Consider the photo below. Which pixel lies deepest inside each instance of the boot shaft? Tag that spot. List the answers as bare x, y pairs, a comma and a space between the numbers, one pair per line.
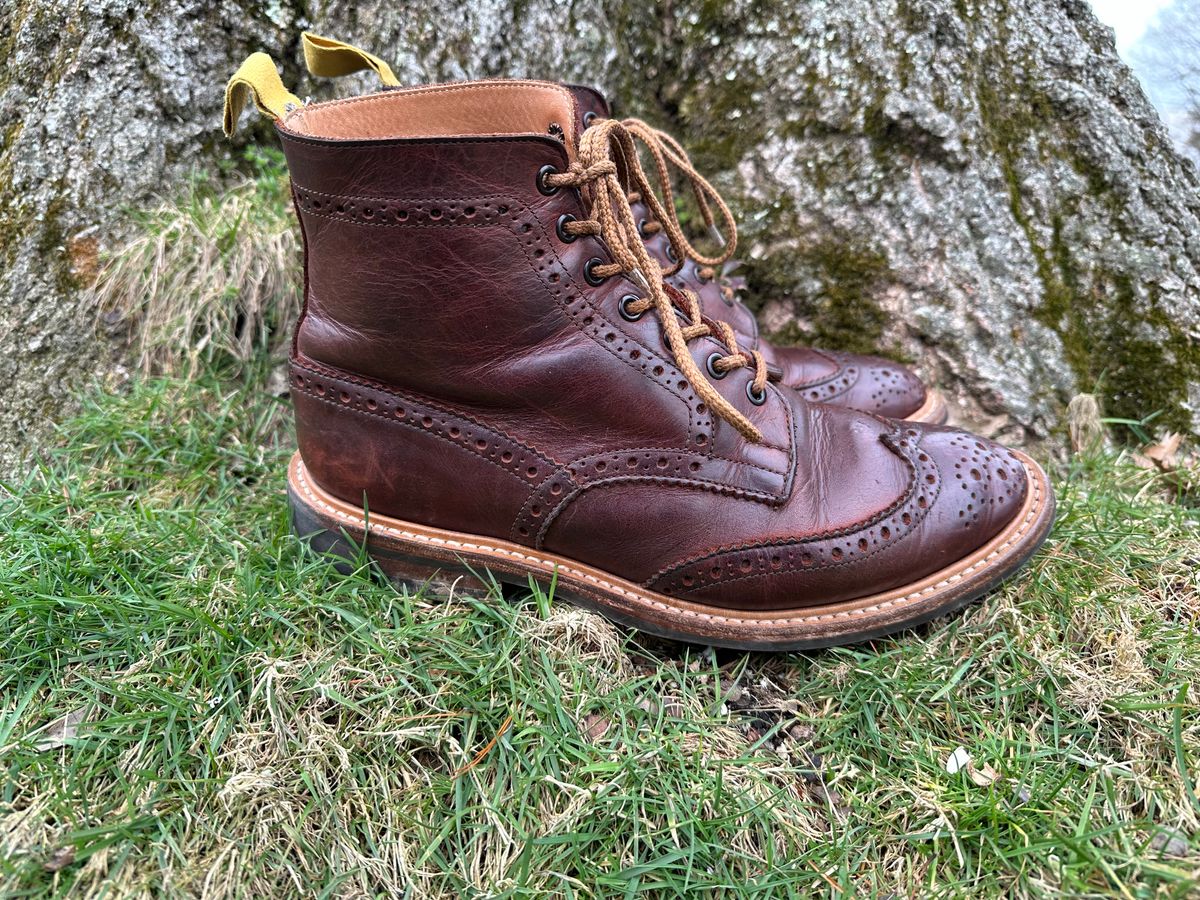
435, 264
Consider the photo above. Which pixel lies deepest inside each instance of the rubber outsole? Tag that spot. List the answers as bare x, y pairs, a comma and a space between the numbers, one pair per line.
415, 555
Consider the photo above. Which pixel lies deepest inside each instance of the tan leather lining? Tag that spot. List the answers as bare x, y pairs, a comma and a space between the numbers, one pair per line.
449, 110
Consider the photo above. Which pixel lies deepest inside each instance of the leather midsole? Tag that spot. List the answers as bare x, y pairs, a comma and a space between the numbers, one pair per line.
932, 411
1026, 527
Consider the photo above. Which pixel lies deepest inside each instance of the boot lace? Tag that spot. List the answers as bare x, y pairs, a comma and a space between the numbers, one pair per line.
606, 169
666, 153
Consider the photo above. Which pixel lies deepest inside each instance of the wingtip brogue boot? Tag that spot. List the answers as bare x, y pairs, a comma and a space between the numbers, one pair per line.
488, 374
857, 381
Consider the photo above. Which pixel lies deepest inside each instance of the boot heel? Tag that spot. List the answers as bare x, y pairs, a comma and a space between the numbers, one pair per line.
345, 542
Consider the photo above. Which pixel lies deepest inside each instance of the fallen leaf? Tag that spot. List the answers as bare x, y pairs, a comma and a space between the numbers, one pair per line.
957, 760
60, 732
1165, 454
982, 775
59, 859
595, 726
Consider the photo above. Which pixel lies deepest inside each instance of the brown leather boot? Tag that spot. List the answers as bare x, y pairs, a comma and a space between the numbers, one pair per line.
485, 377
868, 383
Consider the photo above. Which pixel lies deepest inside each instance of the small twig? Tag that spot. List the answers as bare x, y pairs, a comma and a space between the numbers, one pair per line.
486, 749
829, 881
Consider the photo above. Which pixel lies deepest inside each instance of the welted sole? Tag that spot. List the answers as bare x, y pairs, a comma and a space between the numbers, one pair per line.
933, 411
415, 555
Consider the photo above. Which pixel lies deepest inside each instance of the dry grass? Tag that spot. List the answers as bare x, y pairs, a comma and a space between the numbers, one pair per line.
211, 276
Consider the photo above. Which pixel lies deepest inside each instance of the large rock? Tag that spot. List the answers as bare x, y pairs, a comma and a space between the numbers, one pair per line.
978, 185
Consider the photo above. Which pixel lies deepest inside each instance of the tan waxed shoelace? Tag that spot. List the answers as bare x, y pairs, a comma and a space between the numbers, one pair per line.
666, 152
703, 272
606, 153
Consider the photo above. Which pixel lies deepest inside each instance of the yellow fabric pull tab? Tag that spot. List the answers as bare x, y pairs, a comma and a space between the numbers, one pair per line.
258, 78
330, 59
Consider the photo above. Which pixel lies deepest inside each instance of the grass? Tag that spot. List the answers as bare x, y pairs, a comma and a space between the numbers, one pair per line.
247, 722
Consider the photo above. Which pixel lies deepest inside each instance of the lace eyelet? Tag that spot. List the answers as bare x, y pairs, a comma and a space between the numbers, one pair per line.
699, 276
542, 187
559, 228
759, 398
588, 118
710, 364
624, 308
642, 230
671, 255
589, 272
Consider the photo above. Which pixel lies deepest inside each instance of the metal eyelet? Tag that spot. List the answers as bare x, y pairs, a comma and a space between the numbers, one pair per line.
758, 399
588, 118
542, 187
589, 272
642, 230
671, 255
624, 308
563, 235
700, 278
710, 364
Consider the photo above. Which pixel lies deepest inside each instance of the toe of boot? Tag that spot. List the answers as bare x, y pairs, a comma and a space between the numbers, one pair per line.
882, 387
982, 486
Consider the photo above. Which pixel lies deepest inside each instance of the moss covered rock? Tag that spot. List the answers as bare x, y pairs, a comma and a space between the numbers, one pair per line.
979, 186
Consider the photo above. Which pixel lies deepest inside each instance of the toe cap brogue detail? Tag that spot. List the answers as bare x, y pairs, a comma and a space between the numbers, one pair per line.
963, 491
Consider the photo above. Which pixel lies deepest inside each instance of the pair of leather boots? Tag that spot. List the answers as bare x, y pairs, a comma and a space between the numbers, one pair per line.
512, 358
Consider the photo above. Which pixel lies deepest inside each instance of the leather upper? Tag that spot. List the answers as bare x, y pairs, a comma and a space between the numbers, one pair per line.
454, 367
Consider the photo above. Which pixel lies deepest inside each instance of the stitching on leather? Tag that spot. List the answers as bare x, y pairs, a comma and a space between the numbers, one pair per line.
419, 201
411, 401
816, 566
677, 450
841, 369
544, 142
909, 496
526, 507
581, 481
390, 224
553, 565
713, 487
366, 412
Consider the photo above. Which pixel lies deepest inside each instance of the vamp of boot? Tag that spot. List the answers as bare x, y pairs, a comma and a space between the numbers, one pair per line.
490, 372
